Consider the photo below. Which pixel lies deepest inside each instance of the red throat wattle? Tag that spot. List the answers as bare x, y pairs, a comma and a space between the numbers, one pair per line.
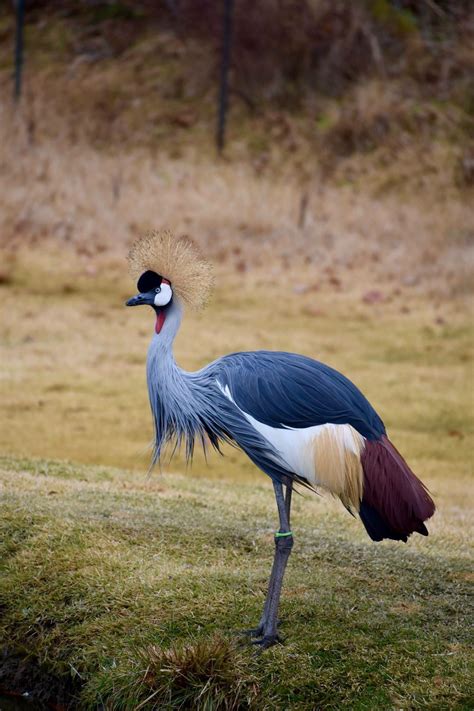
160, 315
160, 319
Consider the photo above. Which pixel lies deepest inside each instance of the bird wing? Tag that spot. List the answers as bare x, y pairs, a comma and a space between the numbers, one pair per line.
286, 390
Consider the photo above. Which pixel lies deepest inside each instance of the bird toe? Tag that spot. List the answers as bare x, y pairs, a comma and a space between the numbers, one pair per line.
255, 631
268, 640
252, 632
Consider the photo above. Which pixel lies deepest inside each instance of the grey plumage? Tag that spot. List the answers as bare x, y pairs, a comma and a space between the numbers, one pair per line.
283, 390
191, 406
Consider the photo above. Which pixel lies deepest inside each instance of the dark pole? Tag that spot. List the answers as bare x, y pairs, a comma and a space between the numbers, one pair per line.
20, 17
225, 66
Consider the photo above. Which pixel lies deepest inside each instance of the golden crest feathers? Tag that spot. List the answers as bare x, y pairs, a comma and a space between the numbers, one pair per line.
176, 259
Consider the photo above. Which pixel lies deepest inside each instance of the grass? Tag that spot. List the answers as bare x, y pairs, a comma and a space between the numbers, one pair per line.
74, 357
240, 217
109, 141
119, 590
133, 588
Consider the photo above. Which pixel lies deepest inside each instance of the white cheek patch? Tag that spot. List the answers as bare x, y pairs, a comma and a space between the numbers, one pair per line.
163, 297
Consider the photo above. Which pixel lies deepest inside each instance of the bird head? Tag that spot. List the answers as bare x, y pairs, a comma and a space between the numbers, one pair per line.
170, 271
155, 291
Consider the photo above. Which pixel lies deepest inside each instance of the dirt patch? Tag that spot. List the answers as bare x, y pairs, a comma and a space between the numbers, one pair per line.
20, 676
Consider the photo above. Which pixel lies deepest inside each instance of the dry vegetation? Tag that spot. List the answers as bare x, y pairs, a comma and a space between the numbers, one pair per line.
73, 356
368, 171
75, 196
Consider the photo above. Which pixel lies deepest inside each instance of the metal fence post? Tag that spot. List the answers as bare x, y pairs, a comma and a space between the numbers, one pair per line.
20, 19
225, 67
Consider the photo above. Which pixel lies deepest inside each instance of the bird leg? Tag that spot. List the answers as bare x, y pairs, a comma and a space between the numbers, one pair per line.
267, 628
288, 492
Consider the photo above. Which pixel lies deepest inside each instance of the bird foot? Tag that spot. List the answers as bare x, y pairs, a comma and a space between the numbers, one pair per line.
253, 632
256, 631
267, 641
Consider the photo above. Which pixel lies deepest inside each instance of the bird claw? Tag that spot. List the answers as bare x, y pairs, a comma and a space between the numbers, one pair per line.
267, 641
252, 632
256, 631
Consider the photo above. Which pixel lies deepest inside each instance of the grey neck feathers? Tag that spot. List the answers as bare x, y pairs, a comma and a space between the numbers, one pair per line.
180, 401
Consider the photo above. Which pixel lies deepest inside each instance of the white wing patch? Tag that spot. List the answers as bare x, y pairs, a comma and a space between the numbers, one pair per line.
296, 448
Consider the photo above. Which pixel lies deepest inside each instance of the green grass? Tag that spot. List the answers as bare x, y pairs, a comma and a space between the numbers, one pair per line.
132, 588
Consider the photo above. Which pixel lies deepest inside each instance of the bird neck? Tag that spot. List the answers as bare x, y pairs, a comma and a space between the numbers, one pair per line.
170, 321
174, 397
160, 353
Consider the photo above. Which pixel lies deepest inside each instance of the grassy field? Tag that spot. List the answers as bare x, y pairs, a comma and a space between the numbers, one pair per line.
73, 356
125, 590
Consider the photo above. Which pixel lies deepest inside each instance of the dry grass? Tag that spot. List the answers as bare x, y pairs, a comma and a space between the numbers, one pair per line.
74, 357
202, 674
77, 196
106, 146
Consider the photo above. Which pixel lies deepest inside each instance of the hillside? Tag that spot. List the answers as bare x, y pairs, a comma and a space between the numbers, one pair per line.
346, 149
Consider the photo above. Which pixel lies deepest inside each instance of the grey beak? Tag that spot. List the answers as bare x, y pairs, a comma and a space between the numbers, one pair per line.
142, 299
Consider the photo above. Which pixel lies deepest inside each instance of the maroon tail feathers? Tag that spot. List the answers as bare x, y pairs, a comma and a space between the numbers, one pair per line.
395, 502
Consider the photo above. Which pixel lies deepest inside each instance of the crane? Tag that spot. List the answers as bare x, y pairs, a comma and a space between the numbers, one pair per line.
298, 420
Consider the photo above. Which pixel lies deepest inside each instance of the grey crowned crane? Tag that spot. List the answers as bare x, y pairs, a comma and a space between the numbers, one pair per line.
297, 419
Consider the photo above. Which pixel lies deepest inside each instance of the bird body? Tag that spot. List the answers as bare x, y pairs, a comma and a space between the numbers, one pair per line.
297, 419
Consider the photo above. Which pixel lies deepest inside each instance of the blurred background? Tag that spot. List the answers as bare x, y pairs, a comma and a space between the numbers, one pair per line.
337, 208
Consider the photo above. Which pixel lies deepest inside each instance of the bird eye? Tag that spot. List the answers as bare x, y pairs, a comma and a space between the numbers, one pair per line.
158, 290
